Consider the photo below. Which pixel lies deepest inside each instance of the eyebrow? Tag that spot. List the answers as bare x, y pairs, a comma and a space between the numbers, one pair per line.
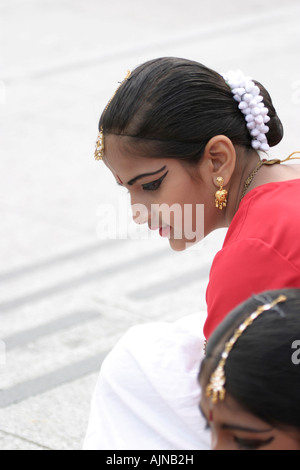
133, 180
236, 427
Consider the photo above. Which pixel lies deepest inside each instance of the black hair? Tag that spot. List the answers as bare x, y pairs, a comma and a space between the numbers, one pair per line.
171, 108
262, 371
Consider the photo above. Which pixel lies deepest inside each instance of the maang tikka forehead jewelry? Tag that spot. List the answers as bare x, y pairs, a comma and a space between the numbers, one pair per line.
99, 150
216, 387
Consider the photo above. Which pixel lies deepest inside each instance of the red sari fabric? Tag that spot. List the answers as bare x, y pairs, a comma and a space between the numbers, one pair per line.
261, 250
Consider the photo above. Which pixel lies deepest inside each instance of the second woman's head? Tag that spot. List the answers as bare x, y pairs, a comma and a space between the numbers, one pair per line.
250, 376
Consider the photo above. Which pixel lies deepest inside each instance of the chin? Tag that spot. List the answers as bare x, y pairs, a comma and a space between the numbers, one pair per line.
181, 244
177, 245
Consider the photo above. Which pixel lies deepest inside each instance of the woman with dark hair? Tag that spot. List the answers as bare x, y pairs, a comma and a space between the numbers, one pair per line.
250, 377
177, 134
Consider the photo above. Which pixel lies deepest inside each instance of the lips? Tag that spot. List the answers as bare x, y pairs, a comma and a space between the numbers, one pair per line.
165, 231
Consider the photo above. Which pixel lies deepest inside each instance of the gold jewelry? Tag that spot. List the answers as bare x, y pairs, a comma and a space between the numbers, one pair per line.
216, 387
251, 176
260, 164
99, 150
221, 194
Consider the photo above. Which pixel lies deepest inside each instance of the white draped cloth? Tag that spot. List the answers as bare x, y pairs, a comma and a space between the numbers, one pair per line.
147, 394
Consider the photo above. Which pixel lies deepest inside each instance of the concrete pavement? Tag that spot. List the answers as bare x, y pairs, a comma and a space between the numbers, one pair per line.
67, 294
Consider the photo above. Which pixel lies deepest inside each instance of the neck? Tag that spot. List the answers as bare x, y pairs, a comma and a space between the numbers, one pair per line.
244, 167
269, 172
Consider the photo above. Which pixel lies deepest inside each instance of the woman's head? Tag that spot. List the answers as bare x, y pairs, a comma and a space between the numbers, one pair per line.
254, 354
171, 107
166, 114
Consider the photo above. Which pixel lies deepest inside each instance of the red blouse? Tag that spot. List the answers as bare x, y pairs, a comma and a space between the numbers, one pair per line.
261, 250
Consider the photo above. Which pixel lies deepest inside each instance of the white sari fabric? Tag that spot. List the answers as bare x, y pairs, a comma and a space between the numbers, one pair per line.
147, 395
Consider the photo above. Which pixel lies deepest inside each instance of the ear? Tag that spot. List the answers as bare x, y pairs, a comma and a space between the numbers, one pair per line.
219, 158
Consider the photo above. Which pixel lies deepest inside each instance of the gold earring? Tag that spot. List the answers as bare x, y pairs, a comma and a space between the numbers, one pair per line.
221, 194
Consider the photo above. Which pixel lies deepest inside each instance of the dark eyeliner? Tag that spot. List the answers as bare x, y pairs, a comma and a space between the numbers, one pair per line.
252, 444
154, 185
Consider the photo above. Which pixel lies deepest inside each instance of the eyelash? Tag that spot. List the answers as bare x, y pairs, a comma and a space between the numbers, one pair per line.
245, 444
248, 444
154, 185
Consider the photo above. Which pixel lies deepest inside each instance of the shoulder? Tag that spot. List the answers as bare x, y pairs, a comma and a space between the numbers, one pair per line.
245, 267
266, 209
261, 250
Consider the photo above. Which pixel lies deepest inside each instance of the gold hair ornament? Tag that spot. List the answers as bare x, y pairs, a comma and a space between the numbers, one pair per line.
216, 387
99, 150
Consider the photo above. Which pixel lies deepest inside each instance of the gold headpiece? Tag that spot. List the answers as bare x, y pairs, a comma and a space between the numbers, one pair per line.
216, 387
99, 150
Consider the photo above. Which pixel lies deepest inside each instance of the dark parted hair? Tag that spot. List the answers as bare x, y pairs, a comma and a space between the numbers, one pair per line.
262, 371
171, 108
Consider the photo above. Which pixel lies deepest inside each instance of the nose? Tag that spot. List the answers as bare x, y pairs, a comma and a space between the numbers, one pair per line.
140, 213
214, 442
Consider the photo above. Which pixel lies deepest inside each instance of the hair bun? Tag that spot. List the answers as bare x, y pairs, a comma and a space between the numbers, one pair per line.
276, 131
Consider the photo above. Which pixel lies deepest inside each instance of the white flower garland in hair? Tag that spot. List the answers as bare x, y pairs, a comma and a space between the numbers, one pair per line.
247, 94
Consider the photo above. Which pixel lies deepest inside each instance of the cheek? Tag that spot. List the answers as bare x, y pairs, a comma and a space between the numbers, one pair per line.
285, 442
186, 216
180, 198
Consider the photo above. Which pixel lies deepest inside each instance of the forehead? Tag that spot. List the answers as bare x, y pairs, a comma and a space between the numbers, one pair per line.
232, 413
125, 161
